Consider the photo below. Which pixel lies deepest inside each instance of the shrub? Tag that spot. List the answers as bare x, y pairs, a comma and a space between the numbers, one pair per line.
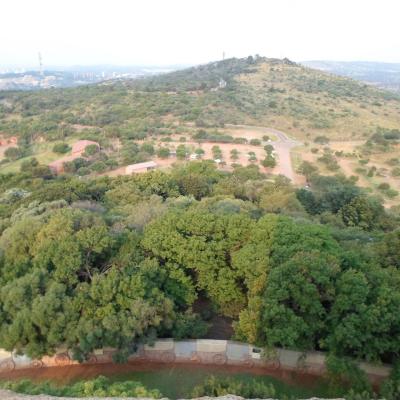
222, 386
83, 171
240, 140
390, 389
383, 186
345, 373
181, 152
321, 140
393, 162
147, 148
269, 162
234, 154
99, 387
391, 193
396, 171
255, 142
163, 152
13, 153
91, 150
269, 148
61, 148
98, 166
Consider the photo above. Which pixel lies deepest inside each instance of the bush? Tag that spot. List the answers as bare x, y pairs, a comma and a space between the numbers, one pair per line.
163, 152
147, 148
98, 166
91, 150
255, 142
99, 387
83, 171
396, 171
269, 148
240, 140
390, 389
391, 193
214, 386
14, 153
61, 148
181, 152
189, 325
383, 186
269, 162
345, 373
321, 140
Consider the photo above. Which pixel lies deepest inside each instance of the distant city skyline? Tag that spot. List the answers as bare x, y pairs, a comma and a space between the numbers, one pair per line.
173, 32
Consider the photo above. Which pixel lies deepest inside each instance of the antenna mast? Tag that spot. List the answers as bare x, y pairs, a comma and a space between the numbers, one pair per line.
40, 64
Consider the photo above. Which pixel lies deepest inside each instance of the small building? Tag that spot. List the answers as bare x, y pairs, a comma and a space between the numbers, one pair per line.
194, 156
140, 167
80, 146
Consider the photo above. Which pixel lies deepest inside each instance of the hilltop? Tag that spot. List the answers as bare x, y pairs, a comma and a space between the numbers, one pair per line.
240, 103
258, 91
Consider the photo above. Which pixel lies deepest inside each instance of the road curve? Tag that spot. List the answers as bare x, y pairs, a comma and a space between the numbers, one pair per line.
282, 145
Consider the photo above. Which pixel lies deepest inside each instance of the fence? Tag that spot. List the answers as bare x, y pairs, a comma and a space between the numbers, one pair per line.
204, 351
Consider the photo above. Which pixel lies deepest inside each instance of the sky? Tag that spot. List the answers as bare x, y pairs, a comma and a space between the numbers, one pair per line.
165, 32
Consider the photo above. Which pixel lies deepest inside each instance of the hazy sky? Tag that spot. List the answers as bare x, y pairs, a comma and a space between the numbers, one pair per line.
71, 32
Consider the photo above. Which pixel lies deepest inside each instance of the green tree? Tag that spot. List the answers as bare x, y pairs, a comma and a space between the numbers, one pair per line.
307, 169
91, 150
269, 162
61, 148
14, 153
234, 154
163, 152
181, 152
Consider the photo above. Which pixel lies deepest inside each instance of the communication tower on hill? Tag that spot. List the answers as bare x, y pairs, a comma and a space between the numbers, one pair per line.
40, 64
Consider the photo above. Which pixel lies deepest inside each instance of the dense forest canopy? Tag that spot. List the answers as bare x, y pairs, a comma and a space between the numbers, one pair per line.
87, 263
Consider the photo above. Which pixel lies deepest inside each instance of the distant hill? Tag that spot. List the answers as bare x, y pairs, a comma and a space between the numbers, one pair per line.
255, 91
383, 75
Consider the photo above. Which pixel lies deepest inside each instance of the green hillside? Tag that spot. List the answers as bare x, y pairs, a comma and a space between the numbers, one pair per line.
259, 91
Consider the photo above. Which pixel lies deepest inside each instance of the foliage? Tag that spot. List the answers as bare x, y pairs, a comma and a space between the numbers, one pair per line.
390, 389
214, 387
345, 372
98, 387
61, 148
116, 262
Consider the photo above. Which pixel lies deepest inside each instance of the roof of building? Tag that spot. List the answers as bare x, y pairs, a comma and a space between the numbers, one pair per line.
147, 164
81, 145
